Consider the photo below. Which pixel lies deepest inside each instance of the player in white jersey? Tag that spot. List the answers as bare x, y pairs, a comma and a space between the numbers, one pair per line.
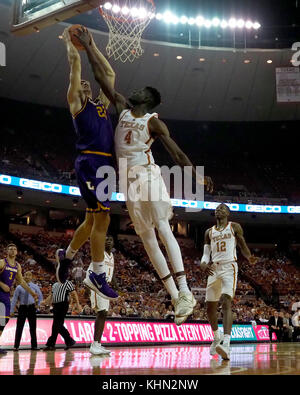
219, 261
136, 131
100, 305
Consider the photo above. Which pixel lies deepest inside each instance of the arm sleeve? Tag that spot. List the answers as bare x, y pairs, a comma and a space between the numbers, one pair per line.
206, 254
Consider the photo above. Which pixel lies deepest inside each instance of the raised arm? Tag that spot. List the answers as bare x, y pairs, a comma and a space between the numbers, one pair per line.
75, 94
114, 97
241, 243
158, 128
110, 74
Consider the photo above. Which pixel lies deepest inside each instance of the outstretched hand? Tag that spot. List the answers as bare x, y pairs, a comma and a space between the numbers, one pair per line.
84, 36
209, 184
253, 260
207, 181
207, 268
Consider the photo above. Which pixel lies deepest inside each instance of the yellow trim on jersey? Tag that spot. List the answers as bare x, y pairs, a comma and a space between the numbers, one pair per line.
101, 207
96, 153
82, 108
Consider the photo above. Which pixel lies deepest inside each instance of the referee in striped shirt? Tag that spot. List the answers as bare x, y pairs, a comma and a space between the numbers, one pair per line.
59, 298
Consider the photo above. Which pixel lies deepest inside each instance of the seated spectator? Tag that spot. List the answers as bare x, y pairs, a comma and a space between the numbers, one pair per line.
296, 325
287, 327
86, 310
275, 324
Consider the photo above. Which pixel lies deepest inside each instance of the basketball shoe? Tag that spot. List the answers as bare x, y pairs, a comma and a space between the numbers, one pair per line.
184, 307
97, 349
98, 284
214, 344
224, 351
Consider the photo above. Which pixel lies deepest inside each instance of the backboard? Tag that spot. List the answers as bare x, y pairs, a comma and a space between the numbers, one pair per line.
31, 16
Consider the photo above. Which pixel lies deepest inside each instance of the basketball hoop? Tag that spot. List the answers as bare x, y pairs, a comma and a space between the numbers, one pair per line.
126, 20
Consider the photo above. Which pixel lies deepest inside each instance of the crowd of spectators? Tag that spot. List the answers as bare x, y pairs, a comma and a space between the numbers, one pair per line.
145, 297
39, 151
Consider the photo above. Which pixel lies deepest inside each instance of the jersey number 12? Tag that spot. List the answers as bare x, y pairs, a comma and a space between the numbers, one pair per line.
221, 246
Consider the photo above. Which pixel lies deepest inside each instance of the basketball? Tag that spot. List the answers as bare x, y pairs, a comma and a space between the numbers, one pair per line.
74, 39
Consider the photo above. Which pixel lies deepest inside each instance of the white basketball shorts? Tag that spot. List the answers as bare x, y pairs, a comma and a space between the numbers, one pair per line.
223, 281
148, 200
98, 303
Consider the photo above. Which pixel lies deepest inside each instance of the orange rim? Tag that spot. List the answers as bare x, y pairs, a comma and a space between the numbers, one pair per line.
120, 19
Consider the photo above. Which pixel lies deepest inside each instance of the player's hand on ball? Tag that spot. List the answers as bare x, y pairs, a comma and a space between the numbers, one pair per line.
84, 36
253, 259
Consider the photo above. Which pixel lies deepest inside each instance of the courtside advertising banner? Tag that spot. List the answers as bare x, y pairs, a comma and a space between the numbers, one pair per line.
133, 332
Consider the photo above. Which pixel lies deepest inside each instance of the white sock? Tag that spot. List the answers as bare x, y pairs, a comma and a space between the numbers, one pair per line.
226, 341
182, 284
171, 287
98, 267
70, 253
216, 334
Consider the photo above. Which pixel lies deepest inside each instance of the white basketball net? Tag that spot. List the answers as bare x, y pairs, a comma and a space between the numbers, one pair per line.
126, 20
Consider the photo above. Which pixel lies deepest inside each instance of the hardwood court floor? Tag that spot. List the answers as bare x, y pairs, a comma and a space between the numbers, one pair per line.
246, 359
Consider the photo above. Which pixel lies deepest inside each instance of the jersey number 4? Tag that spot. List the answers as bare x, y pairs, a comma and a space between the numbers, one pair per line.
221, 246
128, 137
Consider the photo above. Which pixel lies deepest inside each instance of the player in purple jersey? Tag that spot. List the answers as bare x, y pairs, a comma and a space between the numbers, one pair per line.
95, 147
10, 270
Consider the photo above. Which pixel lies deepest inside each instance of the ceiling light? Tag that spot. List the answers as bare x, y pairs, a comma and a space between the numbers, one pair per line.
116, 8
232, 23
224, 24
125, 10
134, 12
269, 61
107, 6
216, 22
199, 20
184, 19
168, 16
142, 13
207, 23
156, 54
179, 57
240, 23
